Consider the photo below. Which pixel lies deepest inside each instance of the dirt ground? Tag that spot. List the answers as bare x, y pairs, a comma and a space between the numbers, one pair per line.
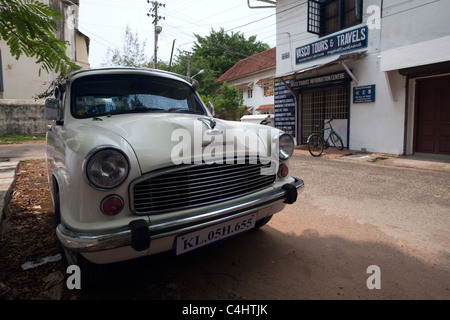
27, 236
321, 257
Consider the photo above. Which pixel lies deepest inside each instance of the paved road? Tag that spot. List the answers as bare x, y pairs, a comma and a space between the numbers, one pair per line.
409, 204
26, 151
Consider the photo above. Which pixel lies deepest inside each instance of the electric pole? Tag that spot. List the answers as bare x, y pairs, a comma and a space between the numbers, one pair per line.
189, 63
153, 12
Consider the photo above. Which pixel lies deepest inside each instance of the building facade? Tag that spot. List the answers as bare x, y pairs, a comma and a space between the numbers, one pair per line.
254, 77
20, 79
379, 68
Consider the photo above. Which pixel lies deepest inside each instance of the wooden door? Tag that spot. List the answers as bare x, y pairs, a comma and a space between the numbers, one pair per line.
432, 133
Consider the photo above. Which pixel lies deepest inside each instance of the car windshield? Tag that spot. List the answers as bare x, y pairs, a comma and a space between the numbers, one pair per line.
101, 95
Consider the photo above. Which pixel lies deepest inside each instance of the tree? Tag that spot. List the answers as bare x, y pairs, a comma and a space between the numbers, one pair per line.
28, 28
229, 102
220, 50
132, 53
216, 53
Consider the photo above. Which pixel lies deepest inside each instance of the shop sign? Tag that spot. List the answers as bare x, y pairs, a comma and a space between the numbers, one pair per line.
320, 81
350, 40
284, 105
364, 94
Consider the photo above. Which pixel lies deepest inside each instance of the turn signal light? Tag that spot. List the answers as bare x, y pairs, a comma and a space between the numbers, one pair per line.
112, 205
283, 171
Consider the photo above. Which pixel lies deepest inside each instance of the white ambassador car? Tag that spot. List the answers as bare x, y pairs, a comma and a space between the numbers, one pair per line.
137, 165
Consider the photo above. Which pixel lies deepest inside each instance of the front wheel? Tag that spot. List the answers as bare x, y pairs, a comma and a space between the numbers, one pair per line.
262, 222
91, 274
337, 141
315, 145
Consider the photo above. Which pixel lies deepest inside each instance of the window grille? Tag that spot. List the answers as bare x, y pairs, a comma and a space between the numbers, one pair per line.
314, 16
318, 106
329, 16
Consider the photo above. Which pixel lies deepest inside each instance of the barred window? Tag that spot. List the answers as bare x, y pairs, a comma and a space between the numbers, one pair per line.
318, 106
329, 16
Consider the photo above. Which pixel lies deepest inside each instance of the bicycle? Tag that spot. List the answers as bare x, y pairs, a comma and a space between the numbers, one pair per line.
316, 142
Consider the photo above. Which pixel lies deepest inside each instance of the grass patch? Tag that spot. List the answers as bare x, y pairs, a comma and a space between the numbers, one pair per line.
20, 138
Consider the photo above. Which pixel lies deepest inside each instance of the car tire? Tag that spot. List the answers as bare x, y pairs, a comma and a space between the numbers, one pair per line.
91, 274
56, 204
262, 222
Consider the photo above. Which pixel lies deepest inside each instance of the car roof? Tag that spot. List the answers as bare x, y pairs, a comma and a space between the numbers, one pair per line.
136, 70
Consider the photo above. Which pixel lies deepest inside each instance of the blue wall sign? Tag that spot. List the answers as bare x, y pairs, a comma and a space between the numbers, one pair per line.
364, 94
347, 41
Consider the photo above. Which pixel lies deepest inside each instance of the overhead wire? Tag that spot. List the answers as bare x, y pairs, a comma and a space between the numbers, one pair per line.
172, 30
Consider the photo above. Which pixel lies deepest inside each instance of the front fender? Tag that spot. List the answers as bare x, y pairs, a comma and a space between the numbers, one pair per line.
80, 202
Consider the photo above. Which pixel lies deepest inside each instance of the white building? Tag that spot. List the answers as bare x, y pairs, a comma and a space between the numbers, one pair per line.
380, 68
253, 76
20, 79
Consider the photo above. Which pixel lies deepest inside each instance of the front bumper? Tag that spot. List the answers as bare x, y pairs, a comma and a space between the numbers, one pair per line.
132, 235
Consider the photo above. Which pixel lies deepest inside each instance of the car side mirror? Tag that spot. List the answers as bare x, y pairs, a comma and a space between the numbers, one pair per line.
211, 108
52, 109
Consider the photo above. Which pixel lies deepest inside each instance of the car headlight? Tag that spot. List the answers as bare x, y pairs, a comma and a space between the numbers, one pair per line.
106, 168
286, 146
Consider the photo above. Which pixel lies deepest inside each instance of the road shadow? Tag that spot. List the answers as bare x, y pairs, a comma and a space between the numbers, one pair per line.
268, 264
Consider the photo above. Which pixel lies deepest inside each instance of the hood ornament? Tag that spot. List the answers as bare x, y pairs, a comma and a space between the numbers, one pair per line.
211, 124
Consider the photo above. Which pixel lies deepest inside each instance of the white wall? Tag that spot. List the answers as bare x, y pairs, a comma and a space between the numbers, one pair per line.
414, 21
378, 126
21, 78
258, 97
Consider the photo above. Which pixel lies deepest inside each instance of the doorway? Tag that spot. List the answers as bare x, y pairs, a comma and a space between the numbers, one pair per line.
432, 134
321, 105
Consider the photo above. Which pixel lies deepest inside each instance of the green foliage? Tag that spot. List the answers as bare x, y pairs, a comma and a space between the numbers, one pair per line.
216, 53
228, 103
220, 50
211, 98
27, 26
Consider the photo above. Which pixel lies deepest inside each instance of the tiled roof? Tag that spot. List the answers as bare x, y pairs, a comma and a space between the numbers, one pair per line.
270, 79
265, 107
243, 85
259, 61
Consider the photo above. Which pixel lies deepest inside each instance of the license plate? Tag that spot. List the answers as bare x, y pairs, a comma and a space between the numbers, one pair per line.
203, 237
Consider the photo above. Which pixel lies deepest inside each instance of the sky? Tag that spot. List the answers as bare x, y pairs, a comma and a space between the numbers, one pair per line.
105, 21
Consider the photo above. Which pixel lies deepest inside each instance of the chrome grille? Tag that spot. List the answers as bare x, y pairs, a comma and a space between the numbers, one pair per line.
190, 186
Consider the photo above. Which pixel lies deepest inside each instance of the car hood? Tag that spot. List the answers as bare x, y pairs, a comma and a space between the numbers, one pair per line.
161, 140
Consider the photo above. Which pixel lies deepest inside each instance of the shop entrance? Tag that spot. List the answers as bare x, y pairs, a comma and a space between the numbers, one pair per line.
432, 134
321, 105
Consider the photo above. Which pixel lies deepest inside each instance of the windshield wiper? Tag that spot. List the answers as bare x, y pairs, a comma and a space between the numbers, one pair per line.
182, 110
144, 110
